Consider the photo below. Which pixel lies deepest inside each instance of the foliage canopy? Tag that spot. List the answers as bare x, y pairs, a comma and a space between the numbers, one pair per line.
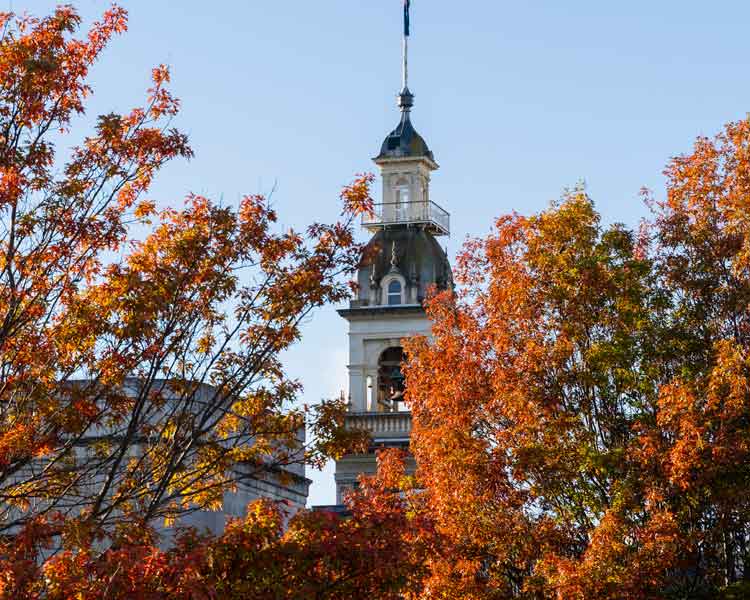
582, 416
139, 378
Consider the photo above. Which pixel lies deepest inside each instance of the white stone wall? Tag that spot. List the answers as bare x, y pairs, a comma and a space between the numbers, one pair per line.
369, 336
292, 497
287, 485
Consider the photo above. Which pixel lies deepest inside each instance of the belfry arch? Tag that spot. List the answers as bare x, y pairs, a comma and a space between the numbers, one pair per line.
390, 382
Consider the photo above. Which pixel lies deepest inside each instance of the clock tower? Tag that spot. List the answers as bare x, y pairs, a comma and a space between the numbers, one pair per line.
401, 262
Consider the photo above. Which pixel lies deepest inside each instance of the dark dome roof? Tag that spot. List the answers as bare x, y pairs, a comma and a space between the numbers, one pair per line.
404, 141
418, 257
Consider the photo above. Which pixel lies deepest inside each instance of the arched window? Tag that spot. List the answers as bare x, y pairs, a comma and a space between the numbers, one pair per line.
402, 199
402, 194
390, 379
394, 293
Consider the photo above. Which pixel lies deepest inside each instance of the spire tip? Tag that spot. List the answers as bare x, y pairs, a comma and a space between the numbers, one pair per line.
405, 98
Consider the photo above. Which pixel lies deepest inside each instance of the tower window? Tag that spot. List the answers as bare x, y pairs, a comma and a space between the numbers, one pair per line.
394, 293
402, 199
402, 194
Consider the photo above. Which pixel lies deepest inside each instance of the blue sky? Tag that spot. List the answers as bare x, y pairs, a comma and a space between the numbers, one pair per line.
518, 100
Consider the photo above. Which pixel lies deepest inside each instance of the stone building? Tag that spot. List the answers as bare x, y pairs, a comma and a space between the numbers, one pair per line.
284, 483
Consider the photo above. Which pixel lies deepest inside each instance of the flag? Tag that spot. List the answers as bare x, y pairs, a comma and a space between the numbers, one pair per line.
407, 4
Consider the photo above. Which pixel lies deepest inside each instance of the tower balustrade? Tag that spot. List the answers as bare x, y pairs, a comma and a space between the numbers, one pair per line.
382, 426
427, 214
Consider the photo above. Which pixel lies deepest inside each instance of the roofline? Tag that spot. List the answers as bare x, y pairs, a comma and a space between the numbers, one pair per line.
366, 311
381, 160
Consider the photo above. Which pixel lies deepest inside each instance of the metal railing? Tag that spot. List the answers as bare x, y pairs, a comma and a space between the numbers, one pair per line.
403, 213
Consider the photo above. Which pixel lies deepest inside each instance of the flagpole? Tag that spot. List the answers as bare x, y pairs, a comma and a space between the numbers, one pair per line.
405, 68
405, 97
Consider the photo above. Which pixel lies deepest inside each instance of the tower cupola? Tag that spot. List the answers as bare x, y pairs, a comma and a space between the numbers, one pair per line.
406, 162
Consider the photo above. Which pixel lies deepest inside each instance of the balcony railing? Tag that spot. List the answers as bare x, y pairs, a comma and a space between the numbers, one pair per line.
381, 425
428, 214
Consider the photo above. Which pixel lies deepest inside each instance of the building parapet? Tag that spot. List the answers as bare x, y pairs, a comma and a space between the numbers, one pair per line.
382, 426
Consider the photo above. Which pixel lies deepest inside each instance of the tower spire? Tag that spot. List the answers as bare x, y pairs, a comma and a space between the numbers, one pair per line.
405, 98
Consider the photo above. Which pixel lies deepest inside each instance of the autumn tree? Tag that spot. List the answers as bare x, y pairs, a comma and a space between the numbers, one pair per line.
582, 415
139, 378
377, 550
